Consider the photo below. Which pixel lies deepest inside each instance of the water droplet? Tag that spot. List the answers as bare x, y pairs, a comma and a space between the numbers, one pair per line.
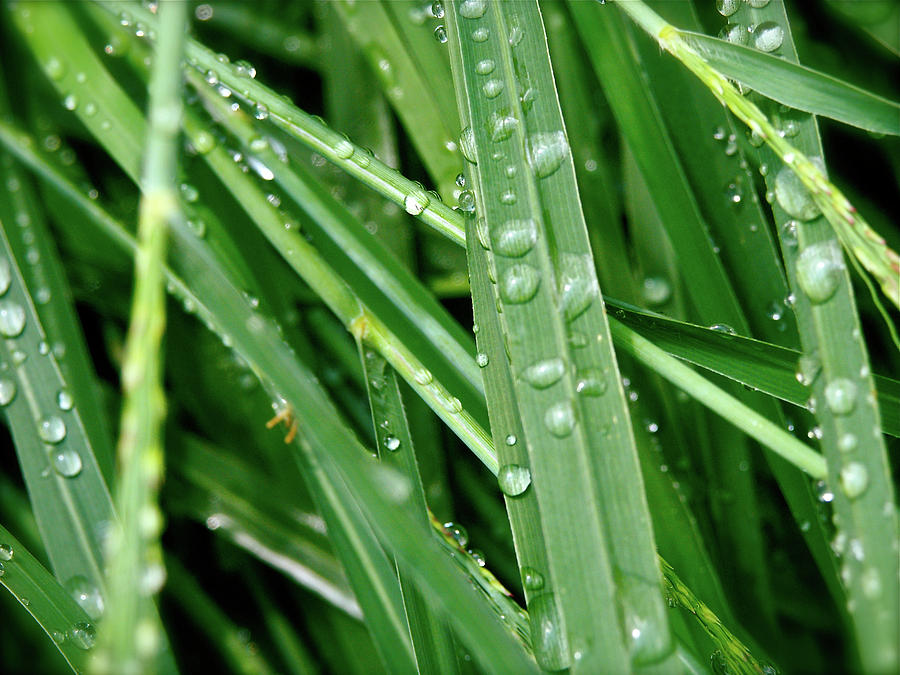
511, 439
392, 443
548, 638
789, 234
560, 419
5, 275
52, 429
492, 88
841, 396
260, 111
467, 201
519, 283
485, 67
577, 283
733, 193
514, 238
854, 479
12, 318
87, 595
808, 368
460, 181
440, 34
543, 374
477, 556
513, 479
847, 442
437, 10
66, 462
481, 359
64, 400
871, 583
55, 69
768, 36
728, 7
532, 580
415, 202
591, 382
423, 377
6, 552
481, 34
7, 391
501, 126
458, 532
546, 152
472, 9
823, 492
819, 269
83, 635
467, 145
792, 194
656, 291
735, 33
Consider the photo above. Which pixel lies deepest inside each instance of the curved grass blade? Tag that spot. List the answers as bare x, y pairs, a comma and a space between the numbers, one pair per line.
797, 86
42, 596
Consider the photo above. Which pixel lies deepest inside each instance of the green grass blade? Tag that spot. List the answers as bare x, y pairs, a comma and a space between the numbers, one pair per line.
536, 200
797, 86
52, 606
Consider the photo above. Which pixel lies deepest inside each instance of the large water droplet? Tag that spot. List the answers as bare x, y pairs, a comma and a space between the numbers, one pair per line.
548, 638
482, 359
519, 284
52, 429
808, 368
392, 443
5, 275
83, 634
472, 9
543, 374
514, 238
532, 580
513, 479
6, 552
792, 194
7, 391
415, 202
66, 462
12, 318
728, 7
577, 283
467, 145
854, 479
819, 269
591, 382
840, 394
560, 419
736, 33
768, 36
485, 67
87, 595
546, 152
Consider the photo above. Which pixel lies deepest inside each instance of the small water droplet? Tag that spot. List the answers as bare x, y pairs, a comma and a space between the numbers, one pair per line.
260, 111
423, 377
415, 202
70, 102
823, 492
735, 33
460, 181
7, 391
728, 7
481, 34
472, 9
519, 283
437, 10
545, 373
546, 152
871, 583
819, 270
440, 34
591, 382
768, 36
847, 442
87, 595
392, 443
5, 275
656, 291
64, 400
551, 647
485, 67
854, 479
467, 201
477, 556
66, 462
532, 580
481, 359
513, 479
577, 283
83, 634
12, 318
52, 429
467, 145
458, 532
789, 234
501, 125
560, 419
840, 394
492, 88
6, 552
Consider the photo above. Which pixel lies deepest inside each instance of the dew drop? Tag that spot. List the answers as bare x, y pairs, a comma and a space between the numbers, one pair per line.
768, 36
735, 33
728, 7
64, 400
757, 4
260, 111
55, 69
83, 634
823, 492
423, 377
5, 275
467, 201
87, 595
481, 359
847, 442
415, 202
854, 479
519, 284
808, 368
481, 34
819, 269
551, 648
511, 440
6, 552
7, 391
792, 195
546, 152
502, 126
560, 419
789, 234
467, 145
532, 580
485, 67
577, 283
514, 238
52, 429
477, 556
392, 443
492, 88
472, 9
871, 583
591, 382
437, 10
66, 462
840, 395
656, 291
12, 318
543, 374
70, 102
458, 532
513, 479
440, 34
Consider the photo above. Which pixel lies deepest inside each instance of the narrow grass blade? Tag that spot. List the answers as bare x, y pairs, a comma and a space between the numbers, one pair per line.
533, 224
63, 620
797, 86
